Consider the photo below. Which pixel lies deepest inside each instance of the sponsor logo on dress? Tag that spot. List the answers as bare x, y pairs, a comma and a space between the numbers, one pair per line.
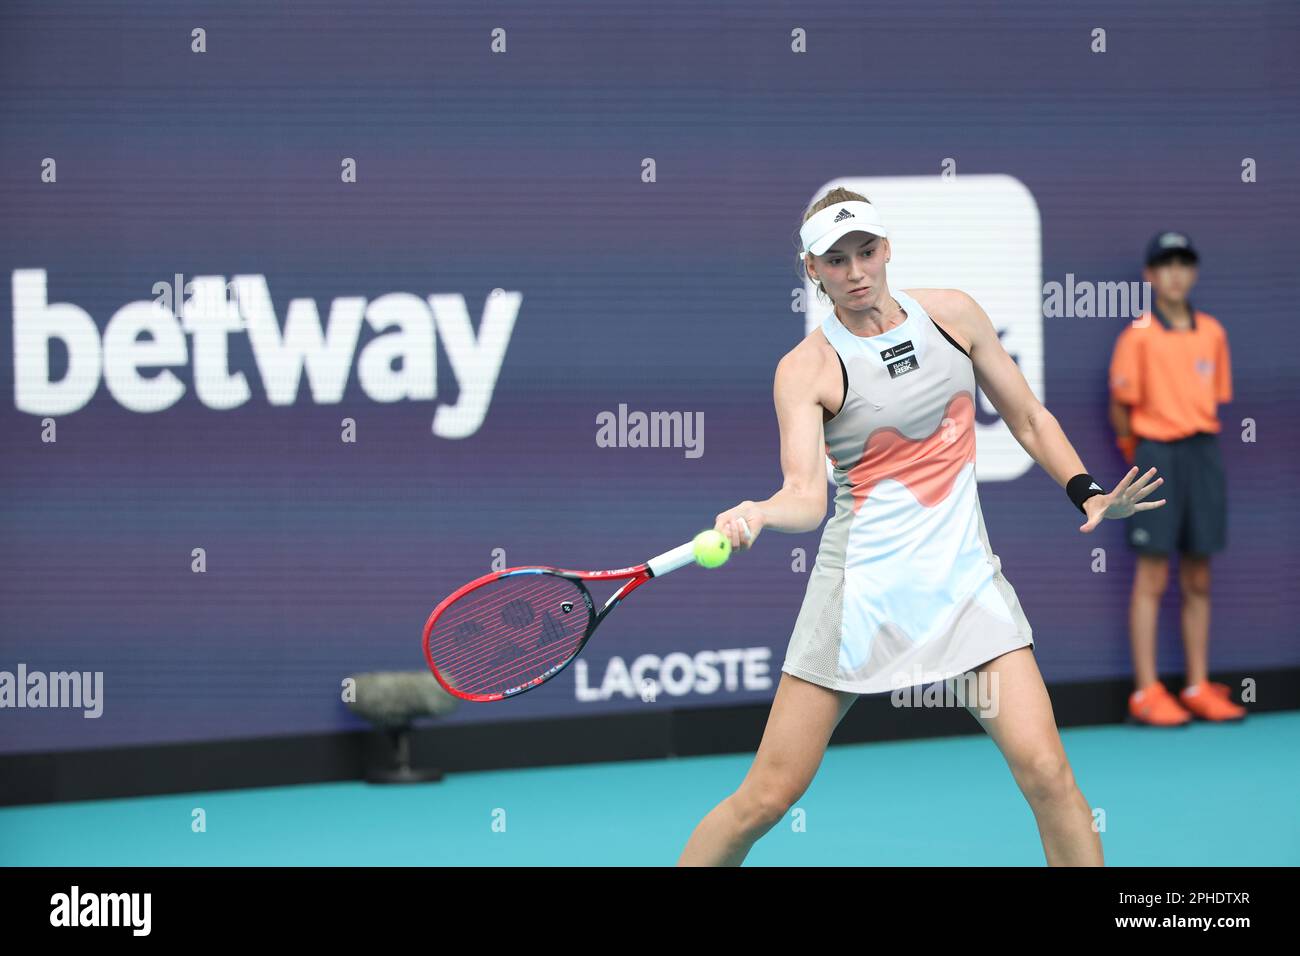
901, 349
902, 366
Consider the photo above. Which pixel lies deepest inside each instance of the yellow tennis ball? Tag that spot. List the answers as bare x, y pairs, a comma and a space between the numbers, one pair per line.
711, 549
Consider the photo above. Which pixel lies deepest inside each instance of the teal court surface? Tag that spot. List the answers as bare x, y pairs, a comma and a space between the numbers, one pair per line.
1205, 795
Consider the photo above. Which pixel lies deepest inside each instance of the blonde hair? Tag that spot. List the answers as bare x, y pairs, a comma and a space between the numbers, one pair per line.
838, 194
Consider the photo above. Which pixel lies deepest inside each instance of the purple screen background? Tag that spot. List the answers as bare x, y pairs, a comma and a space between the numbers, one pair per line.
522, 172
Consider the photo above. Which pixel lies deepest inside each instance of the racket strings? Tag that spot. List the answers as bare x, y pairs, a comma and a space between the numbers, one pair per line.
508, 632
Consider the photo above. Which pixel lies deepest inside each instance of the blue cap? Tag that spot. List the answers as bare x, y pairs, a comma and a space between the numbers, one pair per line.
1167, 245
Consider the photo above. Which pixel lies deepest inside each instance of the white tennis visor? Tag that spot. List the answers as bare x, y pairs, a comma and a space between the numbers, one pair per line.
820, 232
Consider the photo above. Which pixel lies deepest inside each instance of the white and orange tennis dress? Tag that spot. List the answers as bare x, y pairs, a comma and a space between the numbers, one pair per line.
905, 589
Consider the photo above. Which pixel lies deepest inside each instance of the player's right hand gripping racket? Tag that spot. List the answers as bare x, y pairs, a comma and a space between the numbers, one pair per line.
513, 630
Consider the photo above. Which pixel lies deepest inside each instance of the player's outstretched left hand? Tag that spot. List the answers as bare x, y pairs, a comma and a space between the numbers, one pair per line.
1123, 501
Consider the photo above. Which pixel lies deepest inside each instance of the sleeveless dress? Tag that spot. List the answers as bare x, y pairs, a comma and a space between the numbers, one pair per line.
905, 589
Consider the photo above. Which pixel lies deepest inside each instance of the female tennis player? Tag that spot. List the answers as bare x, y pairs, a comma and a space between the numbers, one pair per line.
905, 589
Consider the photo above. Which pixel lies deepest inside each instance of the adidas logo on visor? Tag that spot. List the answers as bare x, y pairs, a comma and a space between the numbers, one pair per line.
844, 214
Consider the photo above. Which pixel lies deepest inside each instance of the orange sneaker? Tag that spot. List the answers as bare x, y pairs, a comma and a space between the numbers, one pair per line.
1223, 690
1154, 705
1202, 701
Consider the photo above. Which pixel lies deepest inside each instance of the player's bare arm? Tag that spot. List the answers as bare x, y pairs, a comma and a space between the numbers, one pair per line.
1034, 427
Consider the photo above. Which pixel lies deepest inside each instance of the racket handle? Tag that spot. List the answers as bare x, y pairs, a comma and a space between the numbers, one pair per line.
678, 557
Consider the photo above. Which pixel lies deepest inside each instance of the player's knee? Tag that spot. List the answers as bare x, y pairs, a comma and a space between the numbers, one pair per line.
765, 804
1045, 777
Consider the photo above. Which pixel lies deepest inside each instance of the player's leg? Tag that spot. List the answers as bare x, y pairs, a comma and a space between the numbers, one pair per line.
1023, 726
799, 727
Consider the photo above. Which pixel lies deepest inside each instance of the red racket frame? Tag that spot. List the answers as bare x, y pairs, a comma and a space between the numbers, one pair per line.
638, 575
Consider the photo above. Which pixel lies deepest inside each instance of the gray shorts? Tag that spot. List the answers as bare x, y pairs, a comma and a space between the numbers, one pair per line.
1194, 518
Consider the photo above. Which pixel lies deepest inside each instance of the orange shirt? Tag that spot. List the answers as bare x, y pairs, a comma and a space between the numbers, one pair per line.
1173, 379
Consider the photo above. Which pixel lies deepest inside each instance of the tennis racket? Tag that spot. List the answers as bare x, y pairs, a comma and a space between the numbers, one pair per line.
510, 631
